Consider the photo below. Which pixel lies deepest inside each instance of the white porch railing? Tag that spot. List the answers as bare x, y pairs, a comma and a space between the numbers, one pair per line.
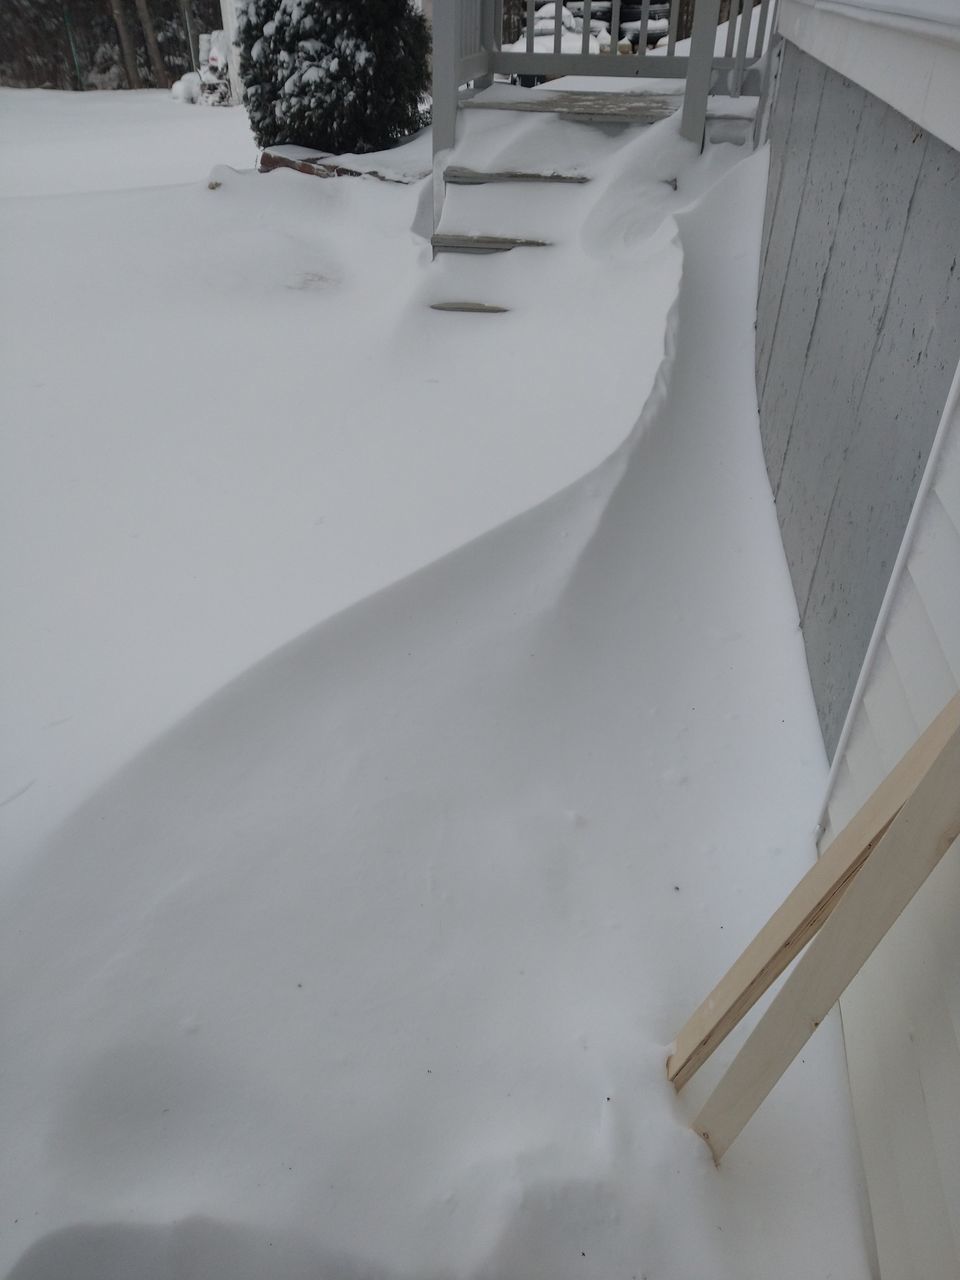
468, 50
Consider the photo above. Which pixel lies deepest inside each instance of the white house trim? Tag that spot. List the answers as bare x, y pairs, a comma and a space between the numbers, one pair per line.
911, 63
901, 1015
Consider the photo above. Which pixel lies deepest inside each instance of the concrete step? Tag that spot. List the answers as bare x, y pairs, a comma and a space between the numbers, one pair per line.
454, 242
461, 176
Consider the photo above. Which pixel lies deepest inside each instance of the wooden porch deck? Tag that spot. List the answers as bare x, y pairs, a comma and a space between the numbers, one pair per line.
595, 107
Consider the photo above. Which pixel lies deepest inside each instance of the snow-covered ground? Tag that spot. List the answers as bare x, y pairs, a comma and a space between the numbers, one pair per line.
54, 143
230, 415
362, 951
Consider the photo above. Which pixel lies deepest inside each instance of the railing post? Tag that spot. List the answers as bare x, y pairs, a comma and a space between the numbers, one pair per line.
446, 56
489, 38
497, 25
699, 70
446, 60
735, 78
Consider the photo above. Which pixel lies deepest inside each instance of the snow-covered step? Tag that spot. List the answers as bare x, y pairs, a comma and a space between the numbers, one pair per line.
462, 176
546, 212
458, 242
474, 308
627, 108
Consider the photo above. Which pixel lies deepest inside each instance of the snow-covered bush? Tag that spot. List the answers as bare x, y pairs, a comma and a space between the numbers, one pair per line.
338, 75
107, 71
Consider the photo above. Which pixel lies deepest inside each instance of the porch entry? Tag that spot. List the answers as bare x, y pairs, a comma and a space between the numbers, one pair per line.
589, 38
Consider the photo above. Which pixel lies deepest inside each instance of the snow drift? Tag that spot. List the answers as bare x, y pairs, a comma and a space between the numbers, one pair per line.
368, 967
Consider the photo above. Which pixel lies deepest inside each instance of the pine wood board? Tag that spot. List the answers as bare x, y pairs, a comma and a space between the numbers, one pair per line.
926, 827
804, 911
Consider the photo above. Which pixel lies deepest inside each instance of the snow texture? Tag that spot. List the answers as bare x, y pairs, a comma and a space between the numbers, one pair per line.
367, 966
187, 88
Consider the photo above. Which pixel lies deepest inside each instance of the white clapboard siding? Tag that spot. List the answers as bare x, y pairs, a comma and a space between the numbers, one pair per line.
901, 1015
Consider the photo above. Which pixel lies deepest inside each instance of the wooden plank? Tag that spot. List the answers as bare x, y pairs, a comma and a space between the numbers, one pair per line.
476, 308
637, 108
926, 827
461, 176
797, 920
321, 166
454, 242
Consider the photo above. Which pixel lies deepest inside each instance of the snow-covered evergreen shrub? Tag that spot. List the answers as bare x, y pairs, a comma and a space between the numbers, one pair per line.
338, 75
107, 70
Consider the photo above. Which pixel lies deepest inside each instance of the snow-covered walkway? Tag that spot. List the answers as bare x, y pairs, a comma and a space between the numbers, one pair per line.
230, 413
368, 966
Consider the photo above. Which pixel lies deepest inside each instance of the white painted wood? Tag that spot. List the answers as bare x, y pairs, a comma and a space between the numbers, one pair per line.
910, 633
936, 589
445, 85
902, 13
228, 16
913, 67
901, 1016
743, 40
762, 27
732, 27
864, 758
644, 26
615, 28
672, 30
885, 703
700, 70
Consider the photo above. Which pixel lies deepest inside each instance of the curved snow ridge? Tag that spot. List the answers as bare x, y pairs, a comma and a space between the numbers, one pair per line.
565, 521
193, 516
368, 953
134, 855
660, 238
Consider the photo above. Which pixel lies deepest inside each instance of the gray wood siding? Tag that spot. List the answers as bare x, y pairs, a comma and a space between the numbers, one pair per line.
858, 334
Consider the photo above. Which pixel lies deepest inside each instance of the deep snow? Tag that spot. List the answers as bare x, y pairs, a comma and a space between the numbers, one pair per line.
368, 966
53, 143
241, 417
